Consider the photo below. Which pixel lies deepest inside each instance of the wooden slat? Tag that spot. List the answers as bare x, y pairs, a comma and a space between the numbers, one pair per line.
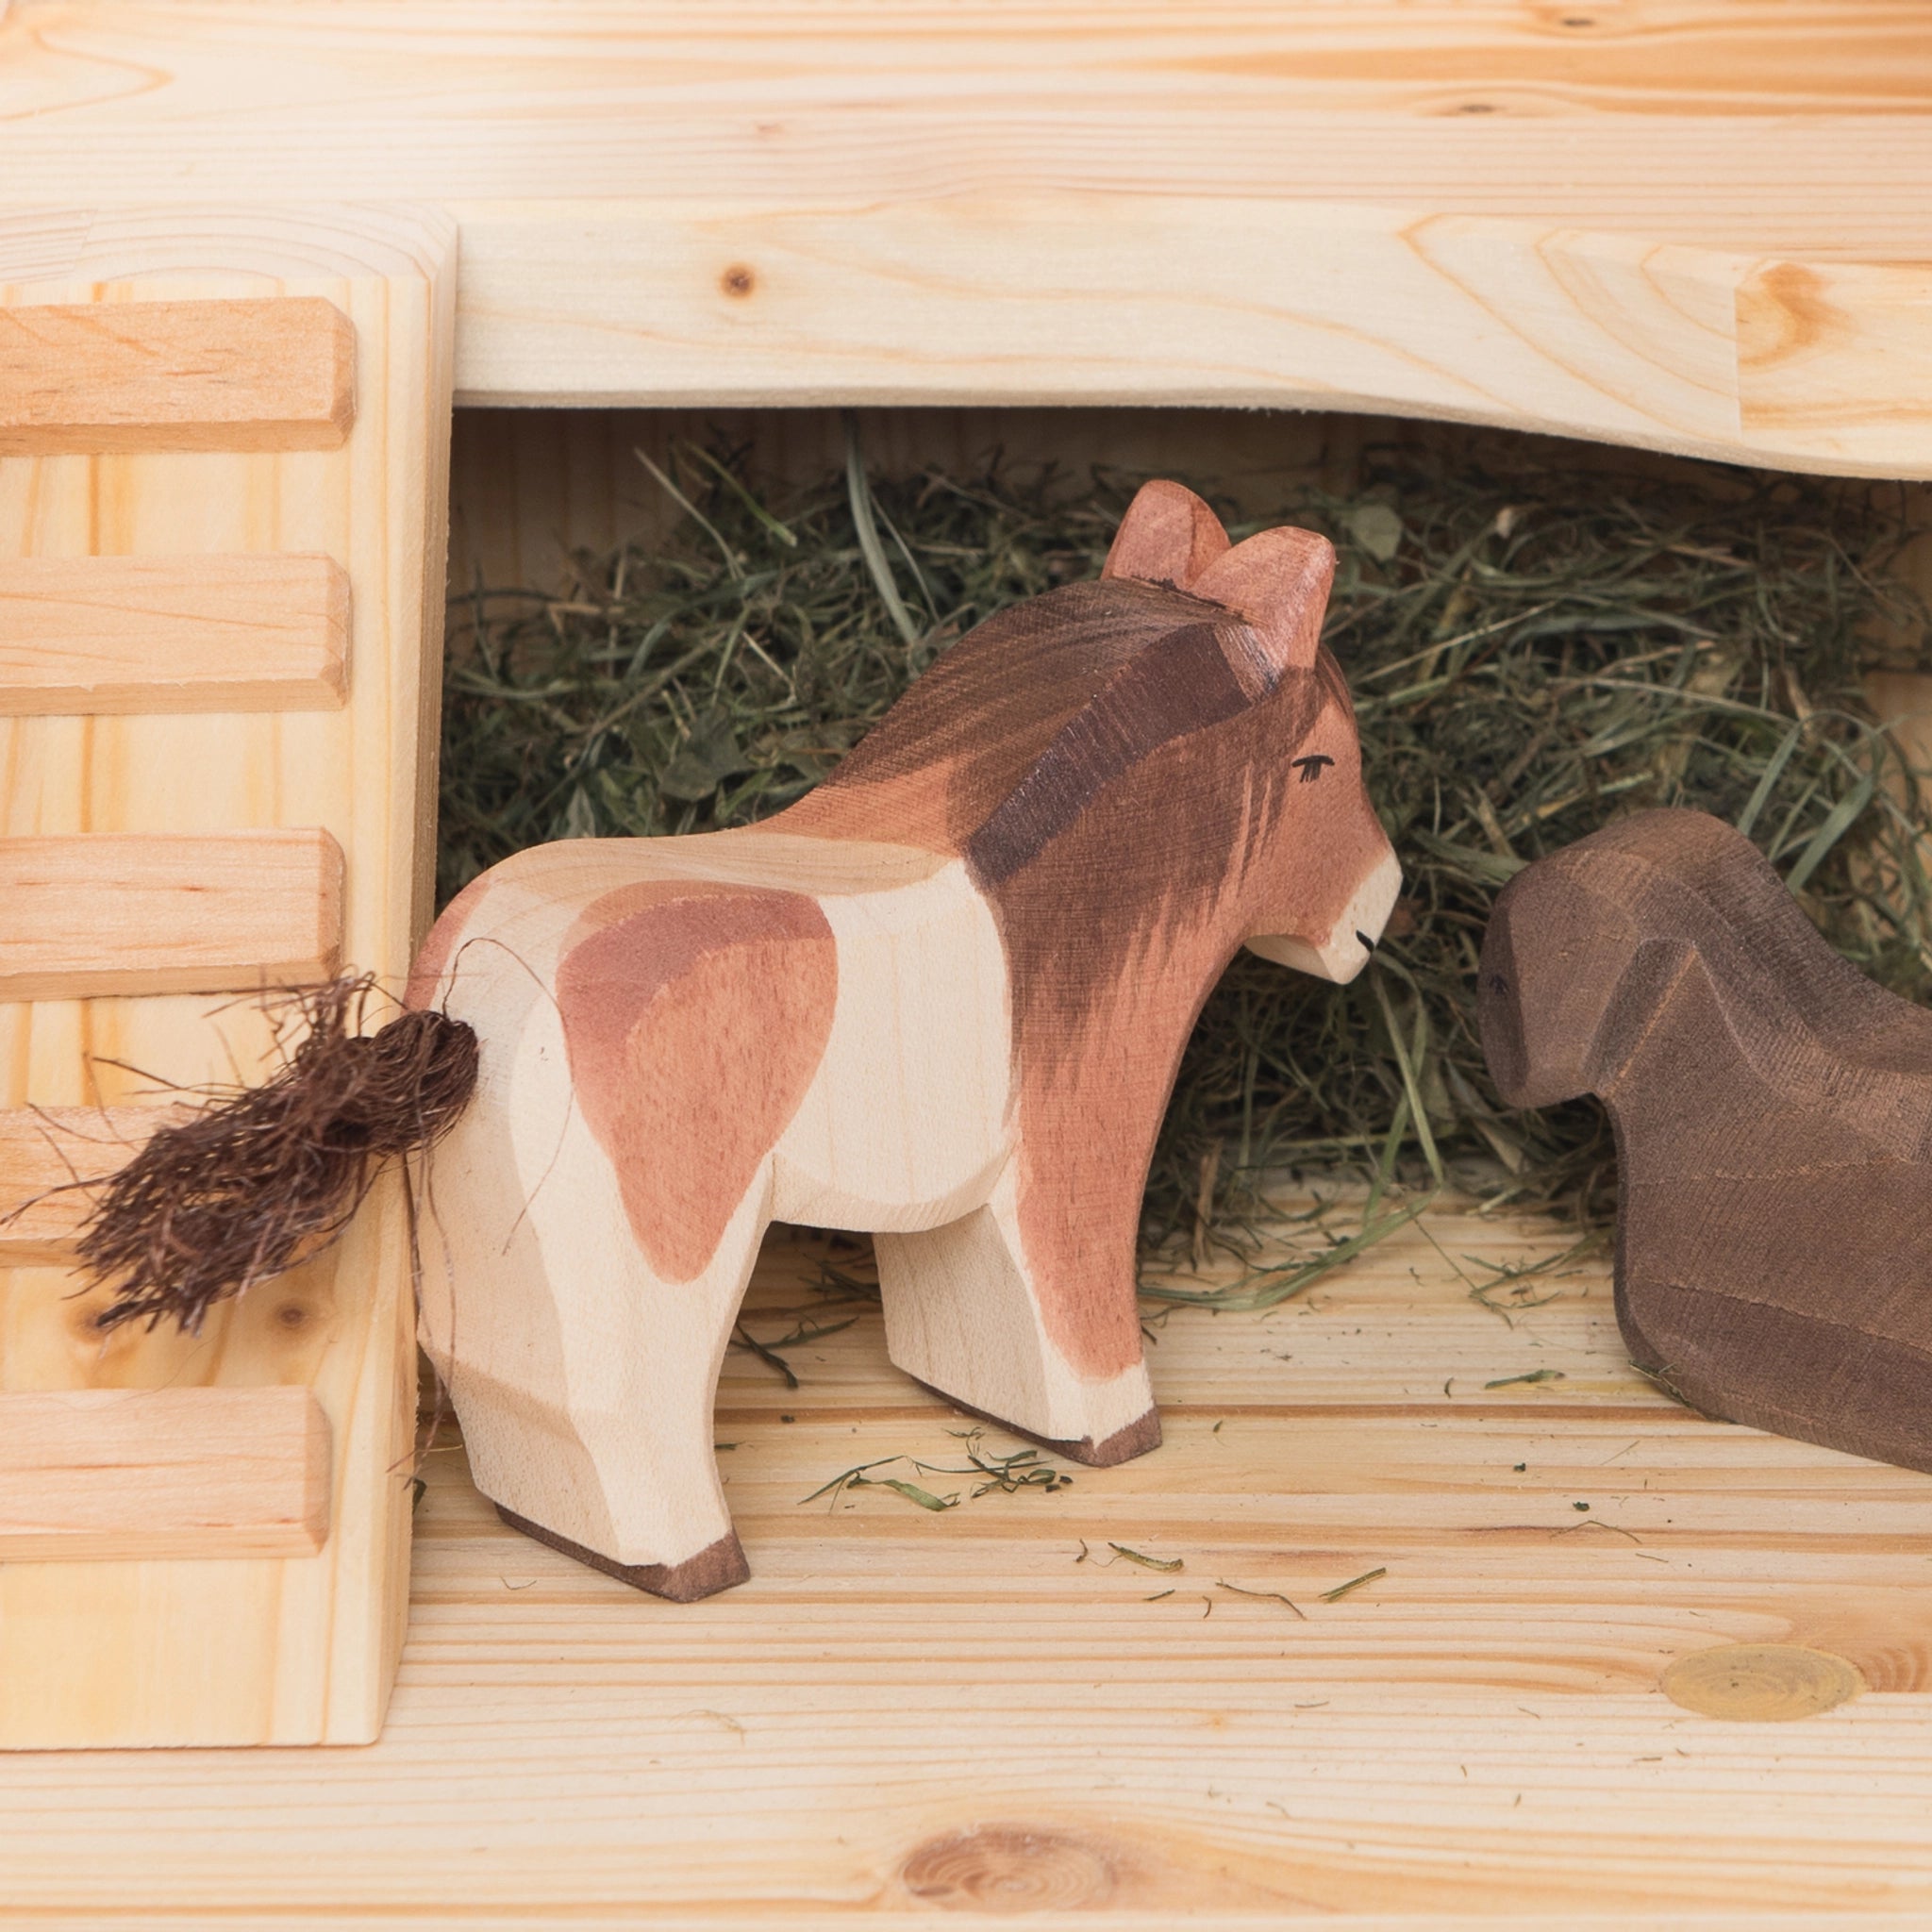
152, 634
44, 1151
127, 1473
295, 1649
272, 375
155, 912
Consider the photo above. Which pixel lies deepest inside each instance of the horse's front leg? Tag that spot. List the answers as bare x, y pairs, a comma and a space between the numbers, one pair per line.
1002, 1313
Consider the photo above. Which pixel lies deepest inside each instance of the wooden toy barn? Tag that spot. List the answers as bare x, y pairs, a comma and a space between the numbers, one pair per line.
312, 314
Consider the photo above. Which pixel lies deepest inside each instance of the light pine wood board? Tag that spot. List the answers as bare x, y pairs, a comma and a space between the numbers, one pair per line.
952, 1703
109, 1473
46, 1154
1178, 300
288, 1648
1685, 226
1653, 115
97, 635
236, 374
144, 913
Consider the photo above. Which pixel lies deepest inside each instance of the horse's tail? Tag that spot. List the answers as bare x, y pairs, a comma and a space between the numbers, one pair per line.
263, 1178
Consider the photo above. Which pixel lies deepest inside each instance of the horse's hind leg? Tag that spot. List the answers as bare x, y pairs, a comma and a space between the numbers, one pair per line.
965, 1314
583, 1381
632, 1487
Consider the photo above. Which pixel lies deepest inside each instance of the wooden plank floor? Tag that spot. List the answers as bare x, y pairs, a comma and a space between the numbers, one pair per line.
909, 1714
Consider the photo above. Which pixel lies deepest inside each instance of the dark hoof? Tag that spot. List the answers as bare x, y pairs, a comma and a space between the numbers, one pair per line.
1139, 1436
714, 1568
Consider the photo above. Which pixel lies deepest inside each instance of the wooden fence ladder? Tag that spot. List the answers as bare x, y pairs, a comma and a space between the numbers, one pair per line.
224, 443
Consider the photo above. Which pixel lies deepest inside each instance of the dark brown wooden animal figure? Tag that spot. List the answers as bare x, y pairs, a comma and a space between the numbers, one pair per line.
1774, 1119
942, 999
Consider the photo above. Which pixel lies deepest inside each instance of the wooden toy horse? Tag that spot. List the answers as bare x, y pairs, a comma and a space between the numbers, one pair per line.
942, 999
1774, 1118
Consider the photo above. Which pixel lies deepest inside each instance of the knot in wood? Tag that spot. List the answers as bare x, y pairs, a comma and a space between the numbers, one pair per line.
1009, 1869
1761, 1682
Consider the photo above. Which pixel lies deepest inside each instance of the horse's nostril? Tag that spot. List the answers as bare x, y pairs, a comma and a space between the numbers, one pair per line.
1368, 944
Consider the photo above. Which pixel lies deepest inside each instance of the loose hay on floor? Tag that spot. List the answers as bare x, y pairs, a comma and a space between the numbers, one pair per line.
1536, 642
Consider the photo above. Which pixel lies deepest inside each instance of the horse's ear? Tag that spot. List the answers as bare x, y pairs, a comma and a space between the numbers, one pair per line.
1167, 535
1277, 582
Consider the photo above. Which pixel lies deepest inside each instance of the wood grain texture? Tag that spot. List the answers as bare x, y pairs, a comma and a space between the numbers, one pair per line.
1658, 112
942, 999
299, 1649
1621, 336
1827, 353
1773, 1108
46, 1156
127, 913
904, 1713
99, 378
152, 634
1580, 221
121, 1474
1760, 1683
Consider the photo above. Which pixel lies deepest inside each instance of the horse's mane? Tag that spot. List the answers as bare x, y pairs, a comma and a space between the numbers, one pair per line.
1024, 718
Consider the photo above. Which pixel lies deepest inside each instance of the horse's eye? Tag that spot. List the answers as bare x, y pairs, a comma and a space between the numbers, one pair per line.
1312, 766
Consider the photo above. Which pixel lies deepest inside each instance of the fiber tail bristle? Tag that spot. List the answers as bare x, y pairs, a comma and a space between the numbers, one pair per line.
265, 1176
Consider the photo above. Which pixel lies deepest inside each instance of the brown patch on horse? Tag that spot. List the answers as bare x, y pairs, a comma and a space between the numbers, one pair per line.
695, 1015
1160, 878
1148, 883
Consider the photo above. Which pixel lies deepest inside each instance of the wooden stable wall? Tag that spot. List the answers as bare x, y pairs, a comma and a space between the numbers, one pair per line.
222, 493
531, 487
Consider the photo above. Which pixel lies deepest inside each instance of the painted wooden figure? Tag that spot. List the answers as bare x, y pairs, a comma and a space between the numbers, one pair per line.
941, 999
1773, 1119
